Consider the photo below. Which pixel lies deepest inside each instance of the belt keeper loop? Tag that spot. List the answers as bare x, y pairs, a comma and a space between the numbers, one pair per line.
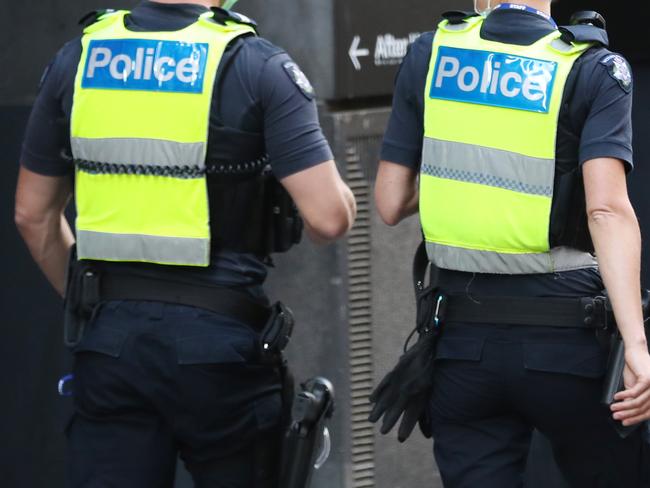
596, 312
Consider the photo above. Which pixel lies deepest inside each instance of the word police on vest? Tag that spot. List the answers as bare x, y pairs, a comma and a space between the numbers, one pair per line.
496, 79
143, 64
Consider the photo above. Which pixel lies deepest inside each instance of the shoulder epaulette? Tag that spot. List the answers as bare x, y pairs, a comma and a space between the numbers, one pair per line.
458, 16
586, 26
221, 15
585, 33
93, 16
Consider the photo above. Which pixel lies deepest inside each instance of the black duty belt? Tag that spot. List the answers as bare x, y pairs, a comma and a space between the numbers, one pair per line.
225, 301
537, 311
587, 312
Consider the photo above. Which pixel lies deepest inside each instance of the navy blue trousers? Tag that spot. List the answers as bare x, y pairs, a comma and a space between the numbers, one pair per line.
494, 384
154, 381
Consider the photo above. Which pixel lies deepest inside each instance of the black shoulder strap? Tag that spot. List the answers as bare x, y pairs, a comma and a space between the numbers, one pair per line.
221, 16
585, 33
458, 16
235, 47
93, 16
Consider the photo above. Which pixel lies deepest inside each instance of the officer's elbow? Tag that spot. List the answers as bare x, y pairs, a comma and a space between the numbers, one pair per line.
25, 220
389, 209
390, 217
602, 212
396, 193
330, 229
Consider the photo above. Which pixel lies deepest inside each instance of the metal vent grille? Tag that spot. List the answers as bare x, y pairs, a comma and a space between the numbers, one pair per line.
360, 316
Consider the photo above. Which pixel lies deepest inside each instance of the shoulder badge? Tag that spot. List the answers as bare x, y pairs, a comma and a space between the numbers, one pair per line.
299, 78
619, 69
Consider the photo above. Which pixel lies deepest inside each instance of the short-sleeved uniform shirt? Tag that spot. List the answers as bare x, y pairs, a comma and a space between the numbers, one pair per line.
595, 122
260, 91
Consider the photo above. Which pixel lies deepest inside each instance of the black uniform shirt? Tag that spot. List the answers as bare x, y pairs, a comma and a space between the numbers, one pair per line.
257, 95
594, 123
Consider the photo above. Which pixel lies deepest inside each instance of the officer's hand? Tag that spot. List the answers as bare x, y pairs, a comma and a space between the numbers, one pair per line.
633, 404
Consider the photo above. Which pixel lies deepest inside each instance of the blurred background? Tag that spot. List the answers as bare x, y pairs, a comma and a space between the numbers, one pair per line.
354, 330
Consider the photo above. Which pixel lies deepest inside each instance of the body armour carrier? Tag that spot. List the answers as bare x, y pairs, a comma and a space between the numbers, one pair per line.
488, 199
139, 136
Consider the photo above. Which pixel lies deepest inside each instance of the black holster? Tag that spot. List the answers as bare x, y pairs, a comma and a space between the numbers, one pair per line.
304, 414
273, 340
81, 298
613, 382
312, 407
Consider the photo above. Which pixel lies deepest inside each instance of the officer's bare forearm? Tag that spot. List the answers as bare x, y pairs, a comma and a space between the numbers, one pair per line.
40, 202
49, 243
396, 192
615, 233
617, 240
403, 210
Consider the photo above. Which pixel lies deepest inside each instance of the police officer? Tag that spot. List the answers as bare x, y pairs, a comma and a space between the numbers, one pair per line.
501, 125
169, 122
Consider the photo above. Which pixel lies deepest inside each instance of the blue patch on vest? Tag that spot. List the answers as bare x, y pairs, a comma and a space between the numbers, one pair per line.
496, 79
143, 64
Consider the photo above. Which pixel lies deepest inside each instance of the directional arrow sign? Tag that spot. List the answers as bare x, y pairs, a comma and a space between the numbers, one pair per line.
355, 53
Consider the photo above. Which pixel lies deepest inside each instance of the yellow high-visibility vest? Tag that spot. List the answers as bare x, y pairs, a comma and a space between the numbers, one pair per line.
139, 131
488, 162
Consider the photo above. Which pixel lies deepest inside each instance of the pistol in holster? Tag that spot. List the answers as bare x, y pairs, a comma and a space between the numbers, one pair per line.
306, 445
81, 298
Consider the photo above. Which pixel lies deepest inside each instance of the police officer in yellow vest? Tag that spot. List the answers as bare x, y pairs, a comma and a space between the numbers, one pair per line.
512, 137
174, 123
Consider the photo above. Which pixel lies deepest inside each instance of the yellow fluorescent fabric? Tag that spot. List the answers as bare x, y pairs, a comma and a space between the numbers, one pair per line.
475, 205
502, 207
129, 119
148, 114
180, 201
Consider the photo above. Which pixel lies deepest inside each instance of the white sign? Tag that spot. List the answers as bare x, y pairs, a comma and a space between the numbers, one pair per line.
389, 50
355, 53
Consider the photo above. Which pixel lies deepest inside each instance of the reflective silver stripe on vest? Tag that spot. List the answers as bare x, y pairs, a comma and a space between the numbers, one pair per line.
135, 247
473, 261
147, 152
487, 166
